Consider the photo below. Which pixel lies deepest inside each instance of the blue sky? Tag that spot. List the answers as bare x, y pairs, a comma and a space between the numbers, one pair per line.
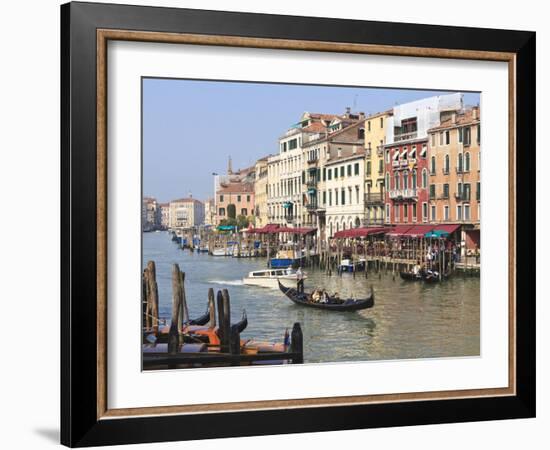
190, 128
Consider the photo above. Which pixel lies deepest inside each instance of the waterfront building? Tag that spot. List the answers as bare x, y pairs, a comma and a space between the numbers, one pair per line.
344, 187
375, 139
235, 193
260, 193
164, 215
294, 179
186, 213
149, 220
209, 212
321, 150
454, 168
406, 156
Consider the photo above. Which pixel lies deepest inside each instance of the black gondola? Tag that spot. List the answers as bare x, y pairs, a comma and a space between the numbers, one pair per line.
202, 320
333, 304
243, 323
428, 277
410, 276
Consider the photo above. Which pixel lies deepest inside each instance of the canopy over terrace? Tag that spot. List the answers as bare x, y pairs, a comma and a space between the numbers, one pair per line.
423, 230
272, 228
359, 232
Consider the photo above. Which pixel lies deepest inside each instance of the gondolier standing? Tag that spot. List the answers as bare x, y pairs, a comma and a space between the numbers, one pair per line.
300, 278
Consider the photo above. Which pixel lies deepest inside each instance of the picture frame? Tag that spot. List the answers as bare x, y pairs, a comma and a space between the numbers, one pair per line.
86, 28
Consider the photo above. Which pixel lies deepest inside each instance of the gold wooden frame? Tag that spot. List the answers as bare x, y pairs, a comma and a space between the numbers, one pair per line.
103, 36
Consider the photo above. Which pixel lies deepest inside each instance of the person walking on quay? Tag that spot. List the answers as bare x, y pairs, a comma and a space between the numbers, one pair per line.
300, 278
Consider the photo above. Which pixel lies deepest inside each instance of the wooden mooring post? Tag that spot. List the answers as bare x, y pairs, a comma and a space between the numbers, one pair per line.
151, 297
297, 343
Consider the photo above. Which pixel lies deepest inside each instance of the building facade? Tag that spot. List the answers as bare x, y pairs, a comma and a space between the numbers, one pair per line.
375, 139
455, 168
260, 193
149, 214
186, 213
164, 212
322, 179
343, 196
406, 156
209, 212
235, 199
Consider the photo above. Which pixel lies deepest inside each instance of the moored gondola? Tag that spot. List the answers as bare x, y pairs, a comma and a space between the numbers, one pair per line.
332, 304
410, 276
201, 320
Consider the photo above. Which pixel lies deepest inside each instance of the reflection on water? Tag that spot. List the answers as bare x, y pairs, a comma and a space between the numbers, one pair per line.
409, 320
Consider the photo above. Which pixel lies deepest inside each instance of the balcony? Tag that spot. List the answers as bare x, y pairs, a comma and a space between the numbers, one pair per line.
312, 206
405, 136
380, 150
372, 198
312, 160
462, 196
368, 152
403, 194
311, 183
404, 163
395, 163
289, 218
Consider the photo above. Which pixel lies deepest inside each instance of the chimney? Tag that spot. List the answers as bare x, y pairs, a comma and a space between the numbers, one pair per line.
354, 151
453, 118
475, 111
328, 154
339, 152
362, 115
229, 167
348, 111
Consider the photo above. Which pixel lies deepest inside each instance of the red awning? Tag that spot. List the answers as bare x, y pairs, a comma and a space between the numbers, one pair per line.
399, 230
448, 228
267, 229
359, 232
418, 230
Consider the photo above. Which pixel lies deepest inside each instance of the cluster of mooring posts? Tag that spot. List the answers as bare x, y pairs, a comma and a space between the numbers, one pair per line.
207, 341
379, 249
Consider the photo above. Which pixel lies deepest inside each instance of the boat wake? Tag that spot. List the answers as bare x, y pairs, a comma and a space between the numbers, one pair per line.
227, 282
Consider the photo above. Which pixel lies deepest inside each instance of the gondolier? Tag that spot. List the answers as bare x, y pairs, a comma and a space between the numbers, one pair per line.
300, 280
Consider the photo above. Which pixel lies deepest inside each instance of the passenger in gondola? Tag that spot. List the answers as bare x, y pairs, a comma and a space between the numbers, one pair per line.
316, 296
416, 268
324, 296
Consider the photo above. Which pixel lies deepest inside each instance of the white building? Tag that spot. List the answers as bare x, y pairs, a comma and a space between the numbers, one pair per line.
186, 213
345, 188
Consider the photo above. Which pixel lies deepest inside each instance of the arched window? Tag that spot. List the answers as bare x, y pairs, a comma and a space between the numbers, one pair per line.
337, 227
343, 225
396, 180
357, 222
460, 161
413, 185
424, 178
467, 162
387, 180
406, 180
432, 166
446, 163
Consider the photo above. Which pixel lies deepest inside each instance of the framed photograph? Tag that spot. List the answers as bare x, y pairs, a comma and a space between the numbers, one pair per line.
273, 224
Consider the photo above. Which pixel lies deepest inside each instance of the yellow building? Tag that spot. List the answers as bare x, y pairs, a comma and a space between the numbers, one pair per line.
260, 193
375, 138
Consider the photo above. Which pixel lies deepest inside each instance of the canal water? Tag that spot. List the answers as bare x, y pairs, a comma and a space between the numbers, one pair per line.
408, 320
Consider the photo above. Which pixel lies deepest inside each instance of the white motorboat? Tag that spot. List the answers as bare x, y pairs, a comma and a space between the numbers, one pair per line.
268, 277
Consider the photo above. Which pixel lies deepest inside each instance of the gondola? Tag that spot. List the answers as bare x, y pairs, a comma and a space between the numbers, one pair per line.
426, 277
333, 304
243, 323
202, 320
410, 276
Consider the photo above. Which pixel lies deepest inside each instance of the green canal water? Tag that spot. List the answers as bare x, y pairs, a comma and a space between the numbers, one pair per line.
409, 320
